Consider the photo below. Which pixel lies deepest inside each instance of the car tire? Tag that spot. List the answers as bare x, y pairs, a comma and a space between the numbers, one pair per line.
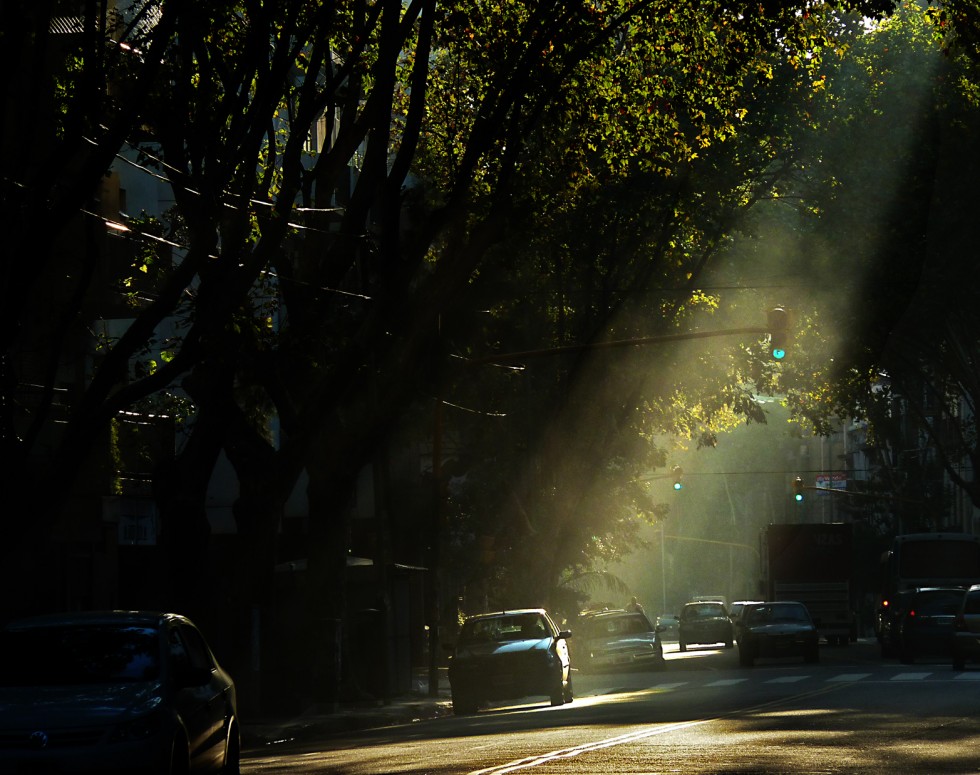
557, 698
959, 664
681, 646
729, 643
812, 656
464, 705
232, 765
906, 657
180, 763
746, 658
569, 696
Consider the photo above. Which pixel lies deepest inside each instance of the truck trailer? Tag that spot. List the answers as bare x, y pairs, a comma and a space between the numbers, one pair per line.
812, 563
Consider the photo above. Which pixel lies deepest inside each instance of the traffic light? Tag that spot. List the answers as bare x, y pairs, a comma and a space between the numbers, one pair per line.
779, 332
678, 472
798, 489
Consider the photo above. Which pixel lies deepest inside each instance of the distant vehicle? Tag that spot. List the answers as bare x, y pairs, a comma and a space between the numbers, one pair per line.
710, 599
114, 692
704, 623
925, 625
616, 639
812, 564
778, 629
966, 629
920, 560
667, 623
735, 613
509, 655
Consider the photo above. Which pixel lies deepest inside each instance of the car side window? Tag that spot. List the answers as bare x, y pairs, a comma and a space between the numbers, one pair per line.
179, 658
197, 650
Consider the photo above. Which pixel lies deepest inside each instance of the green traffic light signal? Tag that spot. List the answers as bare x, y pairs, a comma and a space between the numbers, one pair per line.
779, 332
798, 489
678, 472
777, 346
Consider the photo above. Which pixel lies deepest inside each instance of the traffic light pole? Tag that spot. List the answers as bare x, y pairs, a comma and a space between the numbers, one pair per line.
868, 495
615, 343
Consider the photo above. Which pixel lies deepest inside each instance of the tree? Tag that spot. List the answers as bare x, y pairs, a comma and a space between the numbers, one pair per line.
892, 236
222, 101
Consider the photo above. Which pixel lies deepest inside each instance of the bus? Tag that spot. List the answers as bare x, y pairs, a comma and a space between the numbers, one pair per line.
925, 560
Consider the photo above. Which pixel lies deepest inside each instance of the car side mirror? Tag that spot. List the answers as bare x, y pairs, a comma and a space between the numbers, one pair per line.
566, 634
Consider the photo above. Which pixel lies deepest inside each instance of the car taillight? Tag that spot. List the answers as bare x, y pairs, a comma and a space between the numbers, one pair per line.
911, 612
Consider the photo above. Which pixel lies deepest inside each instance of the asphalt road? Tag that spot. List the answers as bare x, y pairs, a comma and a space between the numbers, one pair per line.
851, 713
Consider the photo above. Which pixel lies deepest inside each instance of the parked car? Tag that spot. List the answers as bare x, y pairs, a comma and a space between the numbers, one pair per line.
114, 692
509, 655
966, 629
704, 622
616, 639
735, 613
779, 629
925, 625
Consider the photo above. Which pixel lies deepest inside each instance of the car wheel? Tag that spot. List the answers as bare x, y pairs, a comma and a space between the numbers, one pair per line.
907, 657
745, 658
681, 646
959, 664
464, 704
557, 698
180, 763
232, 764
812, 656
568, 690
729, 643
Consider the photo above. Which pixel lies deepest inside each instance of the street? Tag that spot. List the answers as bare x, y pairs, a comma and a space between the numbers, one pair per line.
852, 712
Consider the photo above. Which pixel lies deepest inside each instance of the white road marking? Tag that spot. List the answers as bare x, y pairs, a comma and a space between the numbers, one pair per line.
848, 677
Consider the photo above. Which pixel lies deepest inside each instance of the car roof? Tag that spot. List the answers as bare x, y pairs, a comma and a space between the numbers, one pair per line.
609, 612
73, 618
507, 612
928, 590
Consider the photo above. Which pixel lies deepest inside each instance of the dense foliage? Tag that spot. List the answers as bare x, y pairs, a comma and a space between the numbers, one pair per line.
369, 201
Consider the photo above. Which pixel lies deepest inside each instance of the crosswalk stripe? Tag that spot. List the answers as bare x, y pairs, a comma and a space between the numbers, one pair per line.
910, 676
789, 679
728, 682
848, 677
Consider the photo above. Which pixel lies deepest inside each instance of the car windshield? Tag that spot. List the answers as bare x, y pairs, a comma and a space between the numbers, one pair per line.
615, 626
771, 614
504, 628
703, 611
72, 655
937, 603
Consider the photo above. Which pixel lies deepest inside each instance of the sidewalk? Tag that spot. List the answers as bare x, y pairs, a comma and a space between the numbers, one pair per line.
349, 717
